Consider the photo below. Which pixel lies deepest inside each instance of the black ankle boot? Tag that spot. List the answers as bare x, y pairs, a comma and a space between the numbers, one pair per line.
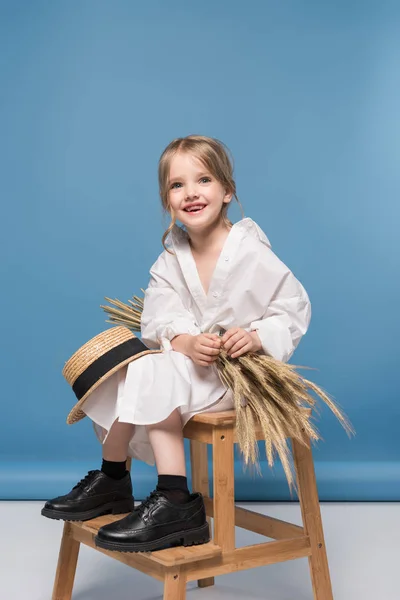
156, 524
95, 495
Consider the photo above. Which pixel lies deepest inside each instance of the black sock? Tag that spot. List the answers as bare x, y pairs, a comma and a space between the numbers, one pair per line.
115, 470
174, 488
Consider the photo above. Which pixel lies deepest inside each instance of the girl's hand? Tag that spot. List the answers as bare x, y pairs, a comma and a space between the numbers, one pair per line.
237, 341
203, 349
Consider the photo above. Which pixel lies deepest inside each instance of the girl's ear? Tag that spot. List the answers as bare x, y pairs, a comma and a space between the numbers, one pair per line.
228, 197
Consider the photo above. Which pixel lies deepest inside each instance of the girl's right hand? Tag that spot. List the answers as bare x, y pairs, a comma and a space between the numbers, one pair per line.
204, 348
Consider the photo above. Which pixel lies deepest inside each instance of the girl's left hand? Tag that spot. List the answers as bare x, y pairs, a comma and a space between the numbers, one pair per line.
237, 341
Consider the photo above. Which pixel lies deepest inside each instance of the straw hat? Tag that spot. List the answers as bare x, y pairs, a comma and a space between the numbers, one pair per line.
97, 360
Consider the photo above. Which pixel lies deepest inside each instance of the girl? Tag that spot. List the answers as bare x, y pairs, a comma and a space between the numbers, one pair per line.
215, 284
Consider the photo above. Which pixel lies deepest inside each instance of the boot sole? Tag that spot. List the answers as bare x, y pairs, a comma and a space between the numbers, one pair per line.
191, 537
114, 508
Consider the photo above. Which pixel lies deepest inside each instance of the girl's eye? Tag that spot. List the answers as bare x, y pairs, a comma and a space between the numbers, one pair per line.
176, 183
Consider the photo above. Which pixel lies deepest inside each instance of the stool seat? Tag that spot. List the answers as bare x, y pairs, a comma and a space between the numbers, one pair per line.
179, 565
200, 426
225, 417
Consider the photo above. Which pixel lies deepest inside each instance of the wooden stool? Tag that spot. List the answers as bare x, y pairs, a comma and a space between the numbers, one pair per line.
176, 566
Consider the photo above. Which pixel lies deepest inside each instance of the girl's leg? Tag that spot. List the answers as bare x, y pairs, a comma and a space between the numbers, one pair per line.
166, 440
167, 443
115, 448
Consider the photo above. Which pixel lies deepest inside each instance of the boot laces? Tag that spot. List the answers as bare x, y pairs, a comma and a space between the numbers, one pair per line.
150, 500
84, 480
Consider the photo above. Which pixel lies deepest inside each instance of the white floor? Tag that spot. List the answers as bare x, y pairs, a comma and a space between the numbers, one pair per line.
363, 542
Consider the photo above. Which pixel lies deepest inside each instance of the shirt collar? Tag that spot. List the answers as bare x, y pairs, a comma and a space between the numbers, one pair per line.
247, 226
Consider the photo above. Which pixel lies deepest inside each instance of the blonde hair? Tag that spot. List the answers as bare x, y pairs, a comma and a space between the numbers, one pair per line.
213, 154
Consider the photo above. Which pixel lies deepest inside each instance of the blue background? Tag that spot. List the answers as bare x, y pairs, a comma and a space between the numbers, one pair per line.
306, 95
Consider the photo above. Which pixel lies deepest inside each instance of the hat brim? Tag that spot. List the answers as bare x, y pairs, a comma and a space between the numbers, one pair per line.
77, 414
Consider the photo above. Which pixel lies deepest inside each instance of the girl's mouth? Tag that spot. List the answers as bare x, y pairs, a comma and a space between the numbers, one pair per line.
195, 210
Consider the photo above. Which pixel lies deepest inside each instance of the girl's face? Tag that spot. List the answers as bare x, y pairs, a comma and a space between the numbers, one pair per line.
195, 196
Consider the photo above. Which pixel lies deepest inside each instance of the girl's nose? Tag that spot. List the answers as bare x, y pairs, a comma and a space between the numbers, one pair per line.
191, 193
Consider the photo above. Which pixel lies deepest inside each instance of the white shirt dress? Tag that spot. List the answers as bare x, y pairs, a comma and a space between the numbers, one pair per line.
250, 288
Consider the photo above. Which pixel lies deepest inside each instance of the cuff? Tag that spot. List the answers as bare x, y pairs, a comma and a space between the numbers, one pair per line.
177, 327
275, 338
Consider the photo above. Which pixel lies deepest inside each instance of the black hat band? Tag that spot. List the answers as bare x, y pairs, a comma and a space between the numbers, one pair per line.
105, 363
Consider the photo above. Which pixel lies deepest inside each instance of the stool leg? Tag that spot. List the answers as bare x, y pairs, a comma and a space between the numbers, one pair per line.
66, 566
200, 483
174, 585
224, 488
312, 522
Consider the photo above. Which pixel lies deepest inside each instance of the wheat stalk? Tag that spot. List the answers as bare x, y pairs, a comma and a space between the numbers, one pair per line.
130, 316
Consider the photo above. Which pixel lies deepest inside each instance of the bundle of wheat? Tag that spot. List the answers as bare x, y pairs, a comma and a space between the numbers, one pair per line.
266, 391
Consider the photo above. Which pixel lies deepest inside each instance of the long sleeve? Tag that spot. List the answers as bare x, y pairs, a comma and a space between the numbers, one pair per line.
164, 315
286, 319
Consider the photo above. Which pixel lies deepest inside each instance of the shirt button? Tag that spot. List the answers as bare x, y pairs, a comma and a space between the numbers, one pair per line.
226, 258
215, 294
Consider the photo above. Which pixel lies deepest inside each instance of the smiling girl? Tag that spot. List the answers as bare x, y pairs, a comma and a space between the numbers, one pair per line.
215, 284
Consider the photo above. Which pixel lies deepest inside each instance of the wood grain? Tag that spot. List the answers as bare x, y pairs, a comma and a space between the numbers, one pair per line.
200, 483
310, 510
224, 488
66, 566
